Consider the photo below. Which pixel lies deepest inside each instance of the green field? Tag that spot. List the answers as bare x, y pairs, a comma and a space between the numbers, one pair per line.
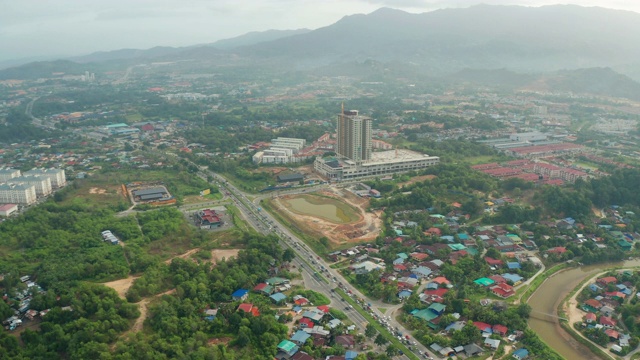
322, 207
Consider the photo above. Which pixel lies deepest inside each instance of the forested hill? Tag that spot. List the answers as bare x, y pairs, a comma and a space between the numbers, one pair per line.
525, 39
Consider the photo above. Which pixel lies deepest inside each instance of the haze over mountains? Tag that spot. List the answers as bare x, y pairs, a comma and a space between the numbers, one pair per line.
442, 42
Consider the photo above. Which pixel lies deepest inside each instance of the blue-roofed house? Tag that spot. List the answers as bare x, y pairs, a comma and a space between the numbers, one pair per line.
210, 314
463, 236
432, 286
240, 294
398, 261
350, 355
594, 287
300, 337
404, 294
521, 354
514, 265
422, 271
278, 297
514, 279
449, 238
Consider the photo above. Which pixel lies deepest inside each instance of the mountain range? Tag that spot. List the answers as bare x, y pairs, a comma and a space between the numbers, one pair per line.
526, 40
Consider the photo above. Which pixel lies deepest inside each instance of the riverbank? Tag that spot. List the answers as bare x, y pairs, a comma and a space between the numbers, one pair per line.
550, 295
569, 308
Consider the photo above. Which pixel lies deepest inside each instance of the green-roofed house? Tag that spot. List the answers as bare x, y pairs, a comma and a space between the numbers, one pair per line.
424, 314
437, 308
617, 234
288, 347
515, 238
398, 232
403, 255
624, 245
472, 251
457, 247
484, 281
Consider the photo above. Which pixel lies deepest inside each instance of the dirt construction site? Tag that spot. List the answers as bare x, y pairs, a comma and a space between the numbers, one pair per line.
365, 228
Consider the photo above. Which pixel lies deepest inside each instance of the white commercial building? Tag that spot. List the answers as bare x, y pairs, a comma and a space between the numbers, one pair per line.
41, 183
17, 194
528, 136
289, 143
280, 152
8, 173
57, 176
381, 163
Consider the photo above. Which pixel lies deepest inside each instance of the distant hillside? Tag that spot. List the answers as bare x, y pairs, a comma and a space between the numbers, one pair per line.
500, 78
125, 54
444, 42
512, 37
596, 81
256, 37
42, 69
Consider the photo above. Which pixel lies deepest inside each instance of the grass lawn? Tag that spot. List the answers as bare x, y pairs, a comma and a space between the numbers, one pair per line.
345, 212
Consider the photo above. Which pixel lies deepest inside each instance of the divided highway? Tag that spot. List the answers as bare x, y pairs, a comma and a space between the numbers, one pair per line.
317, 274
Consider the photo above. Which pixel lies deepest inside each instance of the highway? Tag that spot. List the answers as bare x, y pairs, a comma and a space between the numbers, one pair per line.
317, 274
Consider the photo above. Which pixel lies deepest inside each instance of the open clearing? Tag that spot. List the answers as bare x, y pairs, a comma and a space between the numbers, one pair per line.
219, 254
365, 227
121, 286
416, 179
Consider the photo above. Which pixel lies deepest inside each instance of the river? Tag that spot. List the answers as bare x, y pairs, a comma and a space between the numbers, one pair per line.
544, 303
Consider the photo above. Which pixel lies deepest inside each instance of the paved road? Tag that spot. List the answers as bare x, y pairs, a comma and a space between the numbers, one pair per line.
310, 262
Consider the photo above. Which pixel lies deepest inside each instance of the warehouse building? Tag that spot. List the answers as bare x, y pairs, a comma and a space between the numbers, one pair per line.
150, 194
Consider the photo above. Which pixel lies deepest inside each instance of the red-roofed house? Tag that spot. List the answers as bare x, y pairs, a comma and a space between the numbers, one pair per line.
301, 301
441, 280
437, 292
433, 231
306, 323
503, 290
614, 335
400, 267
323, 308
593, 303
500, 329
484, 327
493, 262
249, 308
590, 318
607, 322
419, 256
557, 250
607, 280
498, 279
260, 287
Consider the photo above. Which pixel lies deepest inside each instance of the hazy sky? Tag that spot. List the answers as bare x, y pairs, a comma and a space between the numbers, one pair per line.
31, 28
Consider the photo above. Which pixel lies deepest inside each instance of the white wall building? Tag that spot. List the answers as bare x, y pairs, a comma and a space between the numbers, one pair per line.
381, 163
57, 176
17, 194
8, 173
289, 143
528, 136
41, 183
8, 209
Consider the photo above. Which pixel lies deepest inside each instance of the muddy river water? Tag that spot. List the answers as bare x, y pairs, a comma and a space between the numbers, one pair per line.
546, 299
